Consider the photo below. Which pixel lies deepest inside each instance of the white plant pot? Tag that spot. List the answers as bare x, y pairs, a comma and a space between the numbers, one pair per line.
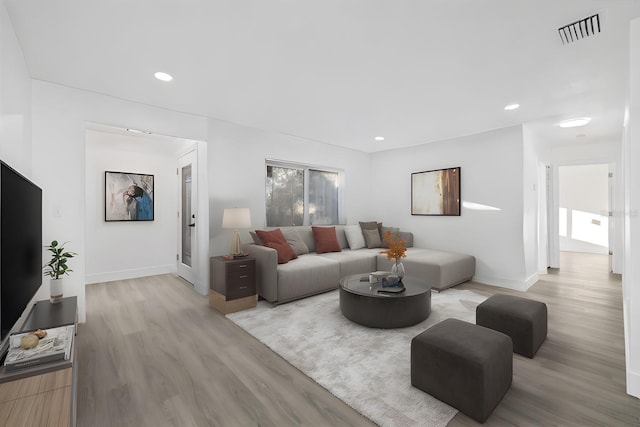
56, 290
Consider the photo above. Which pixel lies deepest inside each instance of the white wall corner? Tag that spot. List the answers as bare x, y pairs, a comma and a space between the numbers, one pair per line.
531, 280
631, 275
633, 384
202, 285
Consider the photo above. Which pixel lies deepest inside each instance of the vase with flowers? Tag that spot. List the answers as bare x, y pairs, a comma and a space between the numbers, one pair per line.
396, 250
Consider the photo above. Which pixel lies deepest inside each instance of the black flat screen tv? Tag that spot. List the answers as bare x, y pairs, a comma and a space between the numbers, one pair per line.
20, 247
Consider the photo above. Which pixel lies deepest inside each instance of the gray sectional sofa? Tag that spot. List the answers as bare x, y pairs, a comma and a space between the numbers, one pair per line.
312, 273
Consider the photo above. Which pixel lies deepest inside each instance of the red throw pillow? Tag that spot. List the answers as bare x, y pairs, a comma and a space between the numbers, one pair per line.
271, 236
326, 239
285, 253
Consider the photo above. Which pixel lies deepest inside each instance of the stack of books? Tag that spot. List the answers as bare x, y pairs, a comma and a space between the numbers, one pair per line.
377, 276
56, 345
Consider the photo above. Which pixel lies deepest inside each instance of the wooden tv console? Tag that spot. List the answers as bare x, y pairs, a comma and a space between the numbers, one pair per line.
42, 394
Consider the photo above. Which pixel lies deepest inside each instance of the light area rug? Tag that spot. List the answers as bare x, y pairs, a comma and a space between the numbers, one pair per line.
369, 369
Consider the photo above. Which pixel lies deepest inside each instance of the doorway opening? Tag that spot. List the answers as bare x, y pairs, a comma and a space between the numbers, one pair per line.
584, 210
131, 249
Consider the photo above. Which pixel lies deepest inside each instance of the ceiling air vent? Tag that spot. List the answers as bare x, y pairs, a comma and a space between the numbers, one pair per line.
580, 29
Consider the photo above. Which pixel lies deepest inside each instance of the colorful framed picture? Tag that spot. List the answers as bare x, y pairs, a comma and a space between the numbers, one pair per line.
436, 192
128, 196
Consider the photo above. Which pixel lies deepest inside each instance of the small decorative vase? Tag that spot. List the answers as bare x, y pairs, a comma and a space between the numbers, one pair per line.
56, 290
398, 269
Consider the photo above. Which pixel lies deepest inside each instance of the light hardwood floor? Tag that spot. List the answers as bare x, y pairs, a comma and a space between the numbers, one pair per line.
153, 353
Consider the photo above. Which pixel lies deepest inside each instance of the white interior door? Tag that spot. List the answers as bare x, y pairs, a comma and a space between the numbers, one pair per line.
187, 221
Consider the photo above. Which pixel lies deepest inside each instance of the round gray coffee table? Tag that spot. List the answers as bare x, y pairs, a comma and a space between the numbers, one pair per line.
361, 303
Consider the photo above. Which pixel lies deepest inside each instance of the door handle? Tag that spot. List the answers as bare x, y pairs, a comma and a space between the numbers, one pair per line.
192, 225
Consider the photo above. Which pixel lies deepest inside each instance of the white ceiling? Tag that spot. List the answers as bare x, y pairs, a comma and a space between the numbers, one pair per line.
343, 71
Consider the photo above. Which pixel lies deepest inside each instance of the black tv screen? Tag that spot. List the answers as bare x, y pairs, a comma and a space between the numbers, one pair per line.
20, 245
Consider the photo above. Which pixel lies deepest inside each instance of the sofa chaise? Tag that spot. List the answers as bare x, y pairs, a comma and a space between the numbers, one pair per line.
312, 273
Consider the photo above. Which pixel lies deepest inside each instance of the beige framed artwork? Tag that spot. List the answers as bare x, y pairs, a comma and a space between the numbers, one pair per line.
436, 192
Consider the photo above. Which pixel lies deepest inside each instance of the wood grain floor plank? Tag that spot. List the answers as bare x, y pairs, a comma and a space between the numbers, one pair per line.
154, 353
164, 357
577, 378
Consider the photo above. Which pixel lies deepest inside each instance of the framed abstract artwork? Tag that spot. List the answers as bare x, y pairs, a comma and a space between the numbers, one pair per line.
436, 192
128, 196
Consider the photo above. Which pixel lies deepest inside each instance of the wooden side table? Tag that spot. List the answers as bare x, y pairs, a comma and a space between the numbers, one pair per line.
44, 394
232, 285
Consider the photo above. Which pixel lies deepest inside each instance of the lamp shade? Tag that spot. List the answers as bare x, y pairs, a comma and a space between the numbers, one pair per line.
236, 218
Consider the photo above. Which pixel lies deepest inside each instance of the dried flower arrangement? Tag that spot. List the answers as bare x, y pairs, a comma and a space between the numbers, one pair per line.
397, 248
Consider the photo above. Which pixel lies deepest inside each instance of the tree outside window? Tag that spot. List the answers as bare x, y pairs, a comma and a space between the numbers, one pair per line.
323, 197
299, 195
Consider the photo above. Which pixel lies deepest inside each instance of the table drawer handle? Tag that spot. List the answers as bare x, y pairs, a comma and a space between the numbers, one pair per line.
244, 276
243, 266
243, 287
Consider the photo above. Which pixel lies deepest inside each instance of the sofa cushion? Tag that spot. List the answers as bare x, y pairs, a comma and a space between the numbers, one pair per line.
359, 261
326, 239
372, 238
309, 274
285, 253
354, 237
440, 269
295, 241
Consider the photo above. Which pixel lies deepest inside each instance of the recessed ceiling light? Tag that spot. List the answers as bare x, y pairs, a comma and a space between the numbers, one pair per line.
572, 123
512, 107
379, 138
163, 76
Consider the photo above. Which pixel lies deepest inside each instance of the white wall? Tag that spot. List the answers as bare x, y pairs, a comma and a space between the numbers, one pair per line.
237, 174
15, 112
122, 250
585, 188
15, 100
491, 175
530, 209
631, 275
59, 118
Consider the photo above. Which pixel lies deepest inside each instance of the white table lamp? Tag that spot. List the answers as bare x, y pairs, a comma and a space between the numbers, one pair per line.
236, 218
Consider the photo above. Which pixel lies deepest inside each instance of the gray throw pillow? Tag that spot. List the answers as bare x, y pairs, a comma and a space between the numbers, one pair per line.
372, 238
370, 225
256, 239
295, 241
383, 231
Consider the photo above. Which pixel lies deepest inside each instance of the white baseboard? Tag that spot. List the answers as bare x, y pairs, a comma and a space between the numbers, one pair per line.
532, 280
633, 384
516, 285
110, 276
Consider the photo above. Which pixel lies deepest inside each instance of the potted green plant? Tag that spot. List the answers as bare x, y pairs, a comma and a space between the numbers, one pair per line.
56, 268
